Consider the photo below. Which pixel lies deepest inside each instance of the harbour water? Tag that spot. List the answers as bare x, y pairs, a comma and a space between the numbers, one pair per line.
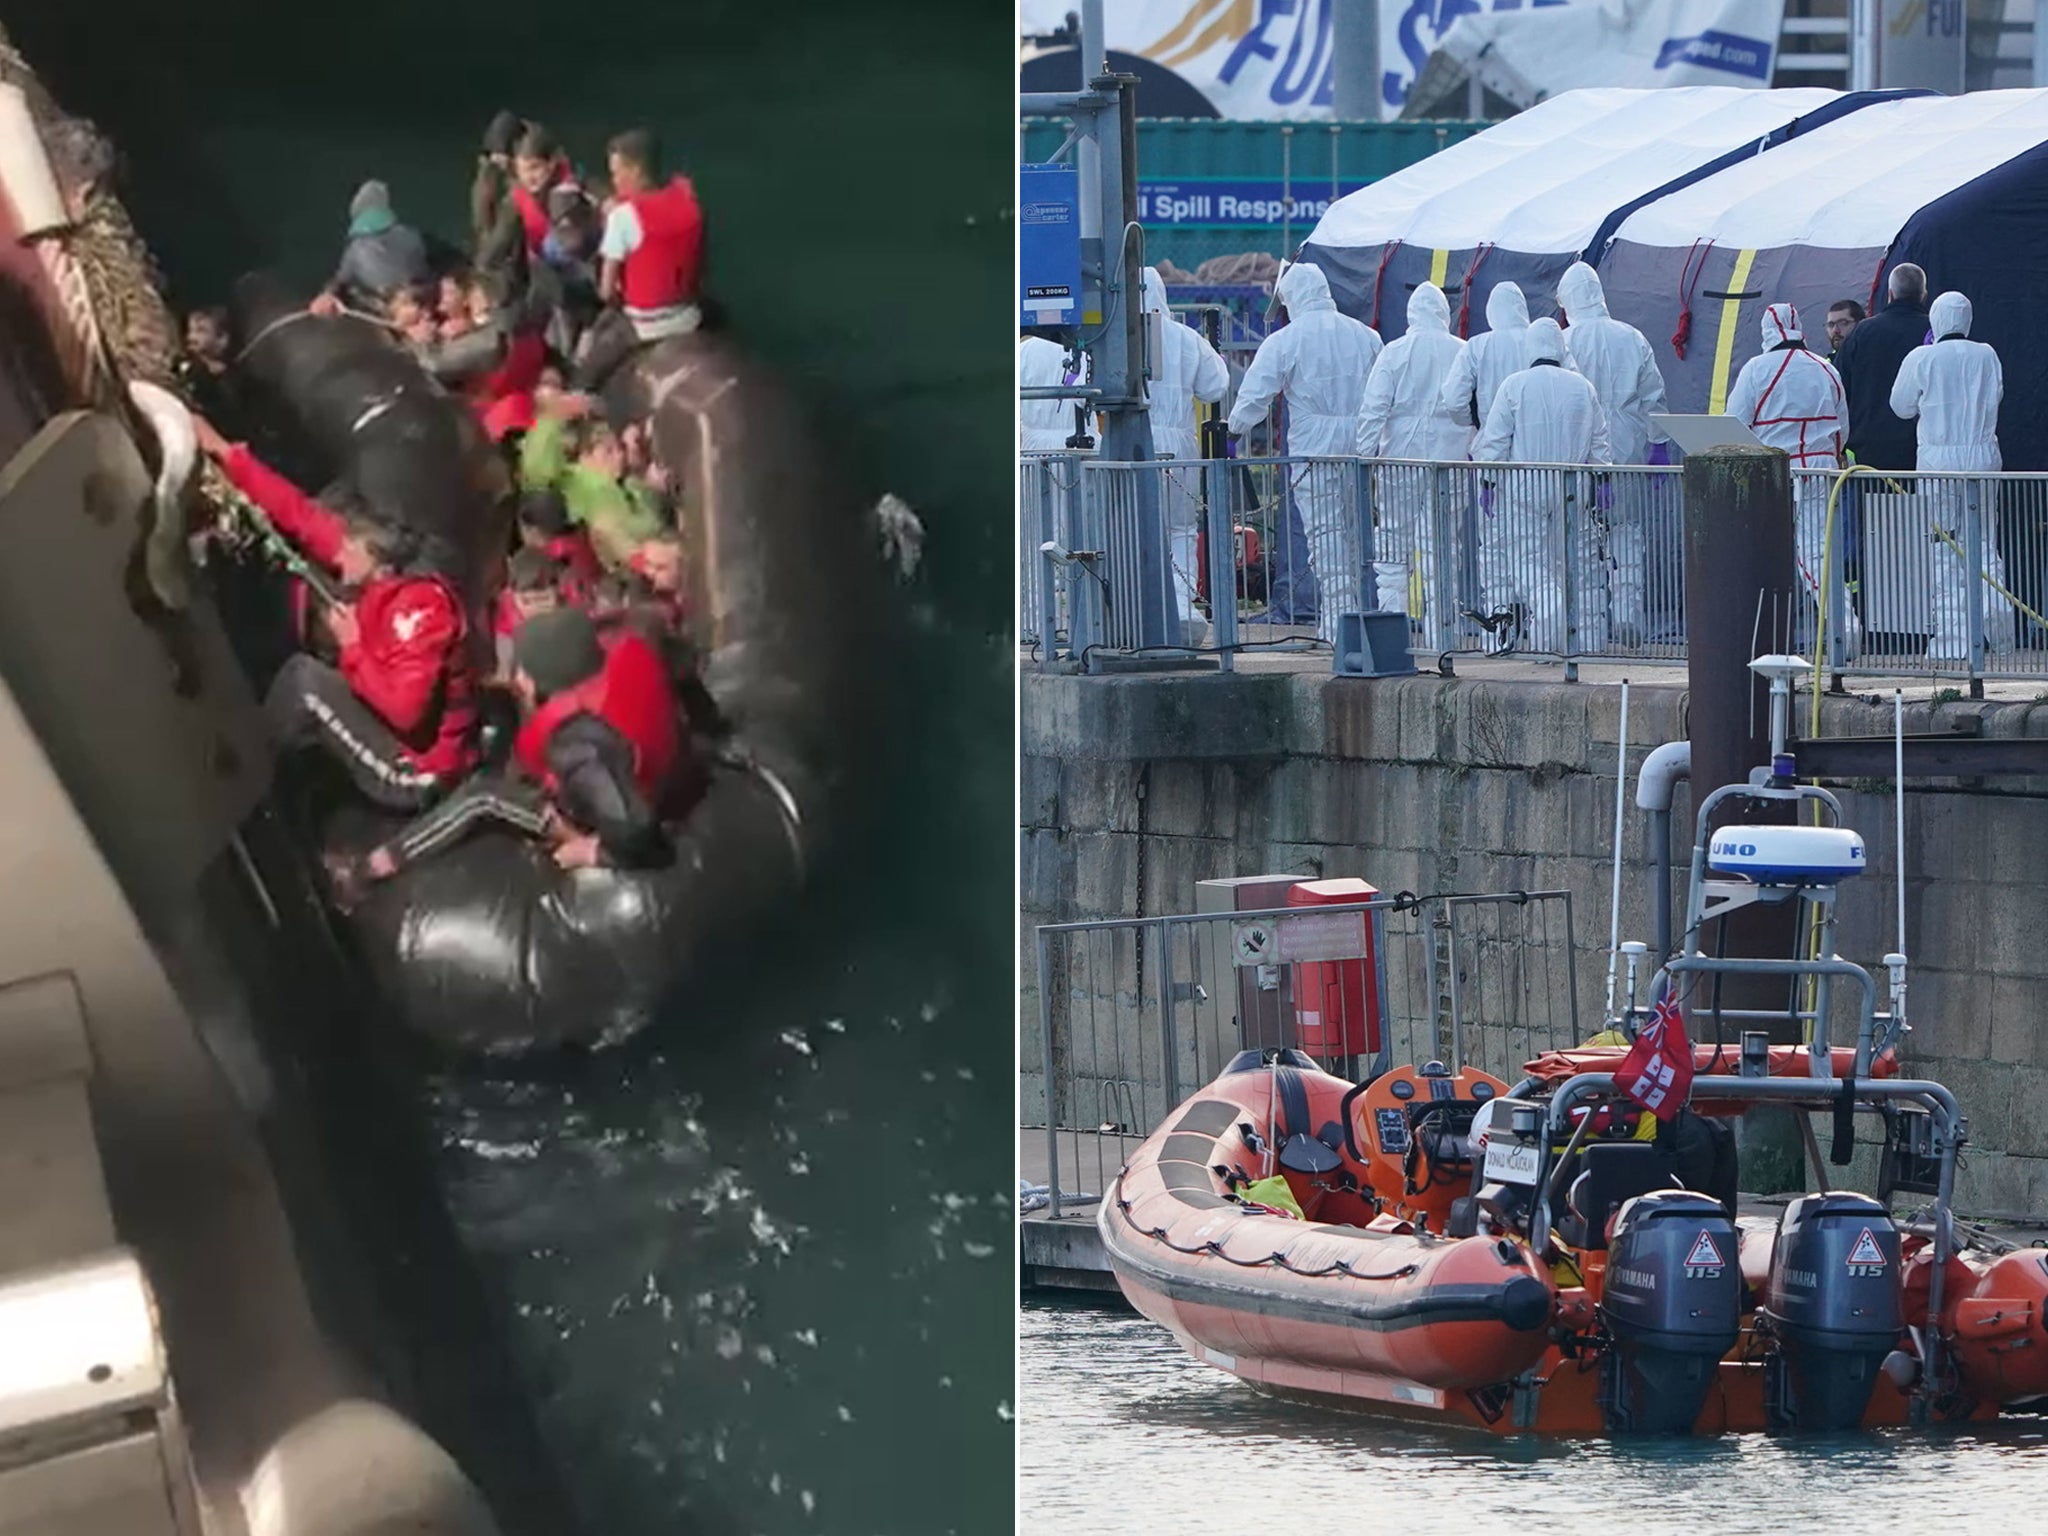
757, 1264
1119, 1431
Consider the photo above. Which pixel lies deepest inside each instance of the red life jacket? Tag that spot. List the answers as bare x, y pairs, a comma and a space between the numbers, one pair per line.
525, 360
412, 665
533, 210
633, 696
511, 413
661, 272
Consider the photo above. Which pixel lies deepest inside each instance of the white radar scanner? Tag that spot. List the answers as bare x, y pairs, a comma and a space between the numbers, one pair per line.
1787, 855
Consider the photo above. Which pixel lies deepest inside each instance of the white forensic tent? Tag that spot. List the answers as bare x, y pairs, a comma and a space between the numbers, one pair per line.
1957, 184
1521, 201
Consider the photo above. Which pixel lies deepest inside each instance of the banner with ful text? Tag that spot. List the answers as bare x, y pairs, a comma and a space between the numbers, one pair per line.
1271, 59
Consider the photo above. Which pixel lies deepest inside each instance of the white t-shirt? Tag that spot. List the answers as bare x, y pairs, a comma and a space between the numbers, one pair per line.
622, 233
622, 237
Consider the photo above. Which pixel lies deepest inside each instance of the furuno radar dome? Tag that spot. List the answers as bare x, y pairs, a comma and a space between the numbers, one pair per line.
1787, 855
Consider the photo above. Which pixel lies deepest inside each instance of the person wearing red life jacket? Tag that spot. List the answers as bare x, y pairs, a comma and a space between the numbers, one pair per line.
651, 258
398, 712
602, 741
538, 167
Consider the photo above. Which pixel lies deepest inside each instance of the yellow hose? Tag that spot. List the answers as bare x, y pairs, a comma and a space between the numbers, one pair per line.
1820, 629
1819, 653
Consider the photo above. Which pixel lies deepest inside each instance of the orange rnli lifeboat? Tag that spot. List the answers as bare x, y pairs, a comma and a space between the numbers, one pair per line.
1353, 1302
1353, 1244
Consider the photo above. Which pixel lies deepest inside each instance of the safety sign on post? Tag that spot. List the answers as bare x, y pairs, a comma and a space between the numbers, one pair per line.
1298, 940
1251, 943
1049, 245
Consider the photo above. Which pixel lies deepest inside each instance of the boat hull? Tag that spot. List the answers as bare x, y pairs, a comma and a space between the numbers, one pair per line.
1381, 1315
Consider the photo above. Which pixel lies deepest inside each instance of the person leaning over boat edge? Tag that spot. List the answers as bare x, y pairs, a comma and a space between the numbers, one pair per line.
381, 254
398, 712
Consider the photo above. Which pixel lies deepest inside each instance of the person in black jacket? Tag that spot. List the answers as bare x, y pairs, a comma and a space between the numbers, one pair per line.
1869, 364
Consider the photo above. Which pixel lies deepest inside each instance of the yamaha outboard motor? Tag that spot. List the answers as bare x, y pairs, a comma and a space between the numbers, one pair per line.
1833, 1305
1673, 1306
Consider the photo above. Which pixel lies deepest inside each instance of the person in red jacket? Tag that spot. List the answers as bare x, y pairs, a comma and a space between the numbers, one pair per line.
651, 258
602, 743
398, 712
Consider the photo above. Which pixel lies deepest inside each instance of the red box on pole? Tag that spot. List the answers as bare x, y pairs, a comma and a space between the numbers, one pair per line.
1337, 1002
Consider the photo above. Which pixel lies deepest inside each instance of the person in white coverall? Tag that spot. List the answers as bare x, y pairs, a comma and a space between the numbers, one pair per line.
1545, 414
1043, 426
1953, 385
1403, 417
1499, 350
1616, 360
1319, 360
1792, 398
1187, 369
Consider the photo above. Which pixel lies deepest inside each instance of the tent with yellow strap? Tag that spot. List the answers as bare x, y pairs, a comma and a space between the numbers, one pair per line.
1521, 201
1954, 184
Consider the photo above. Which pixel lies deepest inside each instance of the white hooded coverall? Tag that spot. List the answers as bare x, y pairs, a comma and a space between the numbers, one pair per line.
1545, 414
1043, 426
1319, 360
1617, 361
1499, 350
1793, 399
1187, 369
1954, 386
1403, 417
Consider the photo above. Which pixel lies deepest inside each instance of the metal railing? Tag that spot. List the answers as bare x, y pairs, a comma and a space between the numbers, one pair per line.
1942, 575
1135, 1014
1937, 575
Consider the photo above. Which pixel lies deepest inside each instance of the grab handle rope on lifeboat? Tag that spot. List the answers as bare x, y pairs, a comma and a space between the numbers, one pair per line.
1276, 1260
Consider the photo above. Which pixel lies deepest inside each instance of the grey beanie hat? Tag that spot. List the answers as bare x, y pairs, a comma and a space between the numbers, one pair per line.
558, 650
371, 196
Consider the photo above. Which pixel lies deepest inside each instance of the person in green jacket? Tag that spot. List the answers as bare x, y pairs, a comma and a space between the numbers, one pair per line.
581, 457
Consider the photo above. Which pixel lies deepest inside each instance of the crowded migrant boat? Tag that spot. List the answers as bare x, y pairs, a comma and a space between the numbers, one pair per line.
556, 710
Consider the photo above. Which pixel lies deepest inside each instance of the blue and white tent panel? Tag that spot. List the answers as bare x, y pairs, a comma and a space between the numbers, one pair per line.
1523, 199
1955, 183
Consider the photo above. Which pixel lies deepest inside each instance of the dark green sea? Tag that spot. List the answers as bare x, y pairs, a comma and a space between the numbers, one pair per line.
756, 1267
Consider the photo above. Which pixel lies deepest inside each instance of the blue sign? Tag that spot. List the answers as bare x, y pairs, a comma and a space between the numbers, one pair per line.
1231, 203
1049, 245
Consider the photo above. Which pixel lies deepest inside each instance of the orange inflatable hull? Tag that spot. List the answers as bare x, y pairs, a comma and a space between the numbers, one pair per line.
1361, 1303
1388, 1316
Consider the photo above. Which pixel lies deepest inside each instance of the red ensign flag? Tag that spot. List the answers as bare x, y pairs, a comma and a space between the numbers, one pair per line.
1657, 1071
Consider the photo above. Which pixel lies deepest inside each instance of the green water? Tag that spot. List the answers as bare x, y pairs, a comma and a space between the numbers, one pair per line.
1120, 1433
757, 1265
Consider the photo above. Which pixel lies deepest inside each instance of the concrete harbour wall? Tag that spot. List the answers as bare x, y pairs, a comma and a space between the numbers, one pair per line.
1135, 788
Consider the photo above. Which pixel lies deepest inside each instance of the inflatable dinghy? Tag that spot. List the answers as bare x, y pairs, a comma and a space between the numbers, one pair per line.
488, 947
